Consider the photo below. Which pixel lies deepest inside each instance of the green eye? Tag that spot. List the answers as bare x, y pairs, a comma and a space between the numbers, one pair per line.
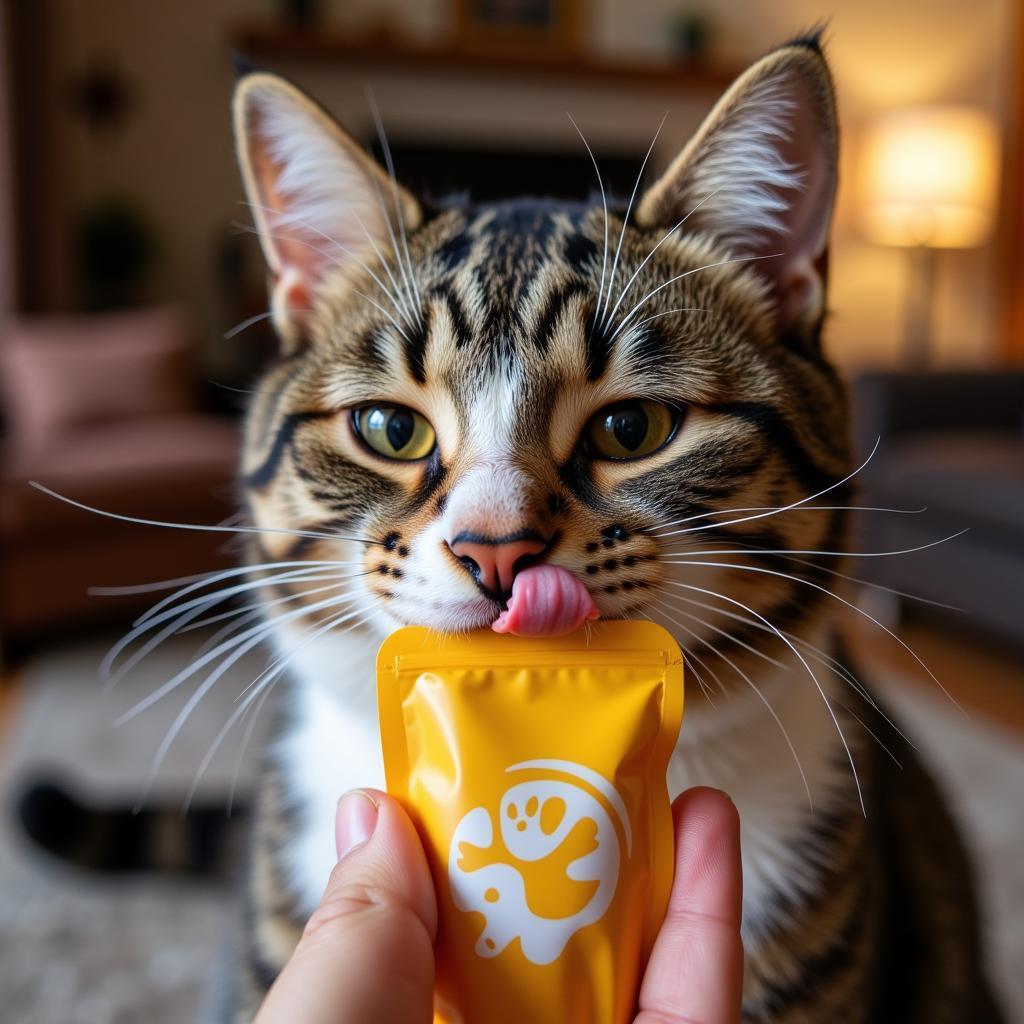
394, 431
630, 430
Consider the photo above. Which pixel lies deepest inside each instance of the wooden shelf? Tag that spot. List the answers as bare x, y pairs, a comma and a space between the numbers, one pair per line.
268, 41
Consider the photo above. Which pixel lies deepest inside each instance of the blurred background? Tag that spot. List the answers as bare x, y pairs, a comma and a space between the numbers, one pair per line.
130, 297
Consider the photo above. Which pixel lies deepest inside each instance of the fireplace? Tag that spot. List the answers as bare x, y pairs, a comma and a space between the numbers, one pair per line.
489, 172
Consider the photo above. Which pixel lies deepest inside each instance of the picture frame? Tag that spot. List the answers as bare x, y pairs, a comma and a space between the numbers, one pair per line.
548, 27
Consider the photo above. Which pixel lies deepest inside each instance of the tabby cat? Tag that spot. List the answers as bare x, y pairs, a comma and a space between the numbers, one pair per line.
636, 393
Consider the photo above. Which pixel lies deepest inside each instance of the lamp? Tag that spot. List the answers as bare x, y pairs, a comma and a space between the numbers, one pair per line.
928, 181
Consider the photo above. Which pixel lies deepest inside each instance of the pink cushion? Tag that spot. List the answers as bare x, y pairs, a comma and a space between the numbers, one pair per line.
158, 468
62, 372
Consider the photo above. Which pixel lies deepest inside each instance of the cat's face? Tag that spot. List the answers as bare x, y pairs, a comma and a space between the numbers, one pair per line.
469, 390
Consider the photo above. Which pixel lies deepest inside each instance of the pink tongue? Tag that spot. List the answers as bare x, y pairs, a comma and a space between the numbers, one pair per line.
546, 601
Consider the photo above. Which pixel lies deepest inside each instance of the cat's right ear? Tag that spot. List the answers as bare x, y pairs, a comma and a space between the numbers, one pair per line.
760, 177
320, 203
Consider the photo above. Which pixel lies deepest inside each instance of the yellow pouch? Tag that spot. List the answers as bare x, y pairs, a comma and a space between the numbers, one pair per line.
534, 769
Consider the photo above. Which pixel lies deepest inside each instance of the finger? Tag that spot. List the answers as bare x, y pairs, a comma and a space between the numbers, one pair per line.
695, 973
366, 955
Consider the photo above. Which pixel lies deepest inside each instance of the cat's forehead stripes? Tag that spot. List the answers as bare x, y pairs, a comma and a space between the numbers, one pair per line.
511, 337
518, 285
501, 278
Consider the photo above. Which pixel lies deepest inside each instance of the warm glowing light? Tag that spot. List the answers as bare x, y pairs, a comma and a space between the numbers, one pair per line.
929, 177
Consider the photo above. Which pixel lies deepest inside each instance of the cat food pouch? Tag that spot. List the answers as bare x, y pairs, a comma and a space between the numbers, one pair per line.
534, 769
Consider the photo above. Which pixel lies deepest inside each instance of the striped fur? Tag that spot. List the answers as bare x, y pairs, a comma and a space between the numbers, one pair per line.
507, 326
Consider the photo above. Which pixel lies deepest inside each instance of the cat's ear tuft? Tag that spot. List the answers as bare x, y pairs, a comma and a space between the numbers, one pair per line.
320, 203
812, 38
760, 177
242, 64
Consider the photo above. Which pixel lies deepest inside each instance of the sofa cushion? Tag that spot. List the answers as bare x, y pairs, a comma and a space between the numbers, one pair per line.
975, 479
158, 468
64, 372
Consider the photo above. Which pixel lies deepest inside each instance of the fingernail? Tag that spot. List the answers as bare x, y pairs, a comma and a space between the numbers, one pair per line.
354, 822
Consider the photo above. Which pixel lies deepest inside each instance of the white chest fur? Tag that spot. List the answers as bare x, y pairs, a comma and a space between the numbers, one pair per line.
333, 746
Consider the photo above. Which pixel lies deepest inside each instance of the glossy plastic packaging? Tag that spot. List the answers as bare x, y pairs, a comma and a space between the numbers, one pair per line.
534, 769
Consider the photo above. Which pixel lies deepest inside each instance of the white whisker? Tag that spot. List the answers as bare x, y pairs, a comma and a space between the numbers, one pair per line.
877, 586
208, 579
389, 163
668, 312
666, 612
751, 684
315, 535
158, 585
376, 305
604, 204
294, 218
826, 554
348, 614
197, 696
406, 287
675, 227
810, 672
250, 728
225, 631
264, 683
754, 550
692, 654
247, 323
849, 604
166, 608
780, 508
407, 310
263, 606
871, 732
776, 511
688, 658
261, 629
814, 652
600, 315
724, 633
679, 277
185, 613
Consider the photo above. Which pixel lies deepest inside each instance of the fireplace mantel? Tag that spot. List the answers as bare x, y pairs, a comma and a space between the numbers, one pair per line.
401, 54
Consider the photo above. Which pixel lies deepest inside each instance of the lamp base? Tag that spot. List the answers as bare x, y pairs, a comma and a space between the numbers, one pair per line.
920, 287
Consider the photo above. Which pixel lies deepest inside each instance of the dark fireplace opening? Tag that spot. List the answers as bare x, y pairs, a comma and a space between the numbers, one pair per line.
491, 172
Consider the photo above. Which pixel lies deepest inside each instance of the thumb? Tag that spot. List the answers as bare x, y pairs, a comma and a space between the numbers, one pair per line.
695, 972
366, 954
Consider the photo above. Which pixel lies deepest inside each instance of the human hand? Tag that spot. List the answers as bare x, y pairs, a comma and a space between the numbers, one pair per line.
695, 972
366, 956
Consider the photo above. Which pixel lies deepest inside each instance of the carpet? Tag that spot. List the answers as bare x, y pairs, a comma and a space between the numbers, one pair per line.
78, 948
980, 767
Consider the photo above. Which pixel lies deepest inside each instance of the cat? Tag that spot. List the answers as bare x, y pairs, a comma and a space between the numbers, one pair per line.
638, 393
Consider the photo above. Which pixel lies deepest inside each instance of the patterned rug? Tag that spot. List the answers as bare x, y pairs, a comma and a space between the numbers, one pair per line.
80, 948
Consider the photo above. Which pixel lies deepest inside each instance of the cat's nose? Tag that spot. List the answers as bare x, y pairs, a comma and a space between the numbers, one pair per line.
494, 561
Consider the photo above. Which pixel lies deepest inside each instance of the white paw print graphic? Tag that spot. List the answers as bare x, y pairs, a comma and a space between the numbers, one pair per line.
535, 819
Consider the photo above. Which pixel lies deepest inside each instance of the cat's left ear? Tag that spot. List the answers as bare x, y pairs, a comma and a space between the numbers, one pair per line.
320, 203
760, 177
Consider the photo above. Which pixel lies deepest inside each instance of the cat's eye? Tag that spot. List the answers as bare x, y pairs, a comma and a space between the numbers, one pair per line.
631, 429
394, 431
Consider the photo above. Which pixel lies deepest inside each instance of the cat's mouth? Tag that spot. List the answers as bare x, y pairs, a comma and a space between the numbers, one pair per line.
546, 600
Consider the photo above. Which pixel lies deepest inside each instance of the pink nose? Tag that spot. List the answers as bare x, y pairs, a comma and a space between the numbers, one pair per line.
493, 563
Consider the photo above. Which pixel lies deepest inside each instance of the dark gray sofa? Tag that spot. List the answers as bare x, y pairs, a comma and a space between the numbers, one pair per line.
954, 443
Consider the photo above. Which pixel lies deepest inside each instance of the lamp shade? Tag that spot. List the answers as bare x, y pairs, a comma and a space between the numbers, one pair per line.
929, 176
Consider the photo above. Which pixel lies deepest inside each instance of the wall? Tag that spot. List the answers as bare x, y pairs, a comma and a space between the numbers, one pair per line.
176, 154
7, 269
